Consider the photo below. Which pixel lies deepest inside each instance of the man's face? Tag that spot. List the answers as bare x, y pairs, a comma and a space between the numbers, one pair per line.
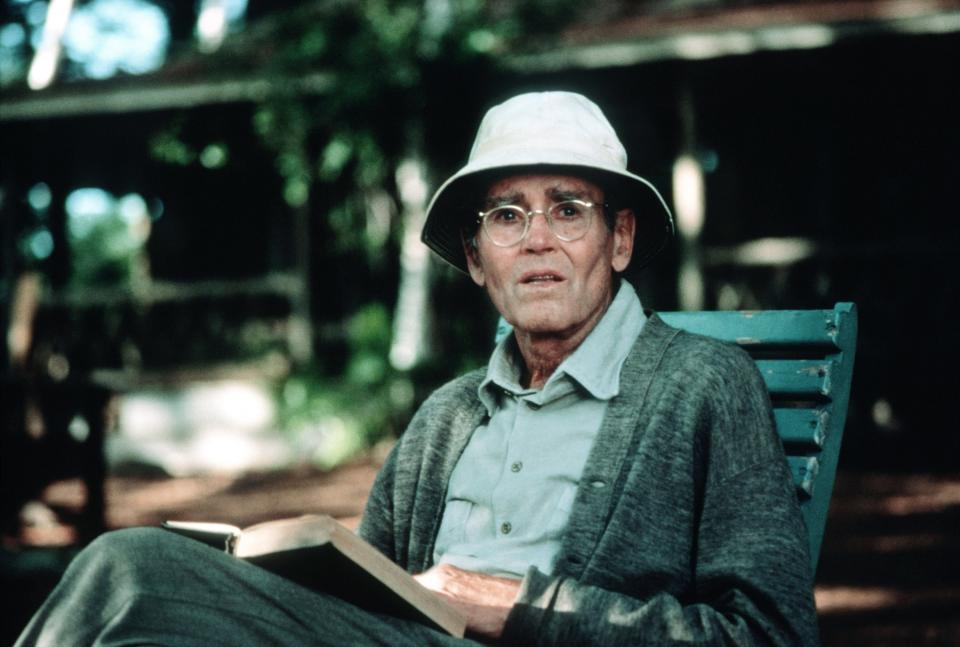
543, 285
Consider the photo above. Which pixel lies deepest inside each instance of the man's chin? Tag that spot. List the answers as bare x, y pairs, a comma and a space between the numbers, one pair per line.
542, 323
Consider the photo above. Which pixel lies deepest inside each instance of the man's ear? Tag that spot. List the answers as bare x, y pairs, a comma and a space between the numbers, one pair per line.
473, 261
623, 233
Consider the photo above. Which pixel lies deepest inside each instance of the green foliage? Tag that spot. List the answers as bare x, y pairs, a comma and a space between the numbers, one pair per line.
171, 150
215, 155
338, 152
102, 257
368, 337
168, 146
377, 52
106, 245
344, 418
349, 412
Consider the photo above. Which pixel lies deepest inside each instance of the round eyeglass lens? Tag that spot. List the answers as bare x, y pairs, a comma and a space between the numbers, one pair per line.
505, 225
570, 220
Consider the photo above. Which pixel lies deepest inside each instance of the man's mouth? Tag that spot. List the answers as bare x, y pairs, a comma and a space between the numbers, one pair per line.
541, 277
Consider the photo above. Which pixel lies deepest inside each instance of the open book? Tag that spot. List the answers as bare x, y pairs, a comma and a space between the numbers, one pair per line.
319, 553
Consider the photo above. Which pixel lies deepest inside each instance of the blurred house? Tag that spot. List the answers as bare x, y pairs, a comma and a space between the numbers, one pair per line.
810, 149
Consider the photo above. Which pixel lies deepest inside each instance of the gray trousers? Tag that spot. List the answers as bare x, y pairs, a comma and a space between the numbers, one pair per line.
147, 586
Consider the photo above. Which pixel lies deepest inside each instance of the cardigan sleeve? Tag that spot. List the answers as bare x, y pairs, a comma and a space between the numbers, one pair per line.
750, 582
376, 524
387, 519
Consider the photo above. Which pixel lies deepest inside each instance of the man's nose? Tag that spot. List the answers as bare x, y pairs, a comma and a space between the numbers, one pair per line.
539, 235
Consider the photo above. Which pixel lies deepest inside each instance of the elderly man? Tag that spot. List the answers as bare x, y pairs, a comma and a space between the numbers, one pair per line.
606, 479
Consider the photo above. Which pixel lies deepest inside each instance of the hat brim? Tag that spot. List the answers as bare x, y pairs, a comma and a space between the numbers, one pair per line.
455, 203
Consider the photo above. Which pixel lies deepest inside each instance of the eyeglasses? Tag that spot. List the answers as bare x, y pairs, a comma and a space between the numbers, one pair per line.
507, 225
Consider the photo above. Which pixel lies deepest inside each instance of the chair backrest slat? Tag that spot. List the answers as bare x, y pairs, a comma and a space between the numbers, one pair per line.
797, 378
801, 430
763, 328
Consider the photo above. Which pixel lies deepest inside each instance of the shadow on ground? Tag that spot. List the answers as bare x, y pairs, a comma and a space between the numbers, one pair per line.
889, 573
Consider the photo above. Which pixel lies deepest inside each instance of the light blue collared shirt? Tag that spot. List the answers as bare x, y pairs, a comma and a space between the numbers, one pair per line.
511, 492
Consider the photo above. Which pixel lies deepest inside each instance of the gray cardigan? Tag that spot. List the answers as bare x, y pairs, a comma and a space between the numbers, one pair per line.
685, 528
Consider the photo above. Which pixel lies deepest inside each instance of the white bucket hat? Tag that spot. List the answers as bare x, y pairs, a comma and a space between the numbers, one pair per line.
558, 132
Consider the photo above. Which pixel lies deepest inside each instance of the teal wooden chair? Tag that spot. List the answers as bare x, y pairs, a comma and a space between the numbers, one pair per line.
806, 359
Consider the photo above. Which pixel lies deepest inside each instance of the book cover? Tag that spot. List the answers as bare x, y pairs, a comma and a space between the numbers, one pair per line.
317, 552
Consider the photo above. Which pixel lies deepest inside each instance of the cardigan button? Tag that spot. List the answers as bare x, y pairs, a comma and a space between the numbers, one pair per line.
598, 485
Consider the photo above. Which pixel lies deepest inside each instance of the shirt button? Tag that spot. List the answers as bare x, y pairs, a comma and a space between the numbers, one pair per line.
505, 527
516, 467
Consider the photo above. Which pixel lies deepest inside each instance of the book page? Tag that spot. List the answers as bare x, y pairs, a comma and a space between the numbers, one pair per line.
217, 535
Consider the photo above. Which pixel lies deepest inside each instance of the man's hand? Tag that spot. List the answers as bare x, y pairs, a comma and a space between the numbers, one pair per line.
485, 600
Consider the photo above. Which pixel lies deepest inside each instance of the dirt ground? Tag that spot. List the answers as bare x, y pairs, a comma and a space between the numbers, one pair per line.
889, 572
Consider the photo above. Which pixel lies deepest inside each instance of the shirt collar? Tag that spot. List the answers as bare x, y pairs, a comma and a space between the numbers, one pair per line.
595, 364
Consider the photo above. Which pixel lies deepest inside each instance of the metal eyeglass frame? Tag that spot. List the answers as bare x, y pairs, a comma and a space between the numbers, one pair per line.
528, 218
